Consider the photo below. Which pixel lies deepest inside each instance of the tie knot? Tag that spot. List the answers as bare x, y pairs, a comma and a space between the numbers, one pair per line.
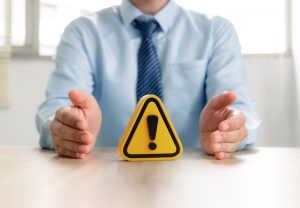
146, 28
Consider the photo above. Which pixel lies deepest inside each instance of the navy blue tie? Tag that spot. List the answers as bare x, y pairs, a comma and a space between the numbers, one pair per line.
149, 76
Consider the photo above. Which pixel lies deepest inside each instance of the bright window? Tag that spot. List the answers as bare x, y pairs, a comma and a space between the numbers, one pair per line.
56, 14
18, 36
260, 24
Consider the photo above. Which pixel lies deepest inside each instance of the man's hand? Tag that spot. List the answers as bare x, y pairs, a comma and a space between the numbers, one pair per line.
74, 129
222, 128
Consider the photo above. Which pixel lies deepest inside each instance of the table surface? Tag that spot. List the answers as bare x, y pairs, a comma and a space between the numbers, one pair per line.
261, 177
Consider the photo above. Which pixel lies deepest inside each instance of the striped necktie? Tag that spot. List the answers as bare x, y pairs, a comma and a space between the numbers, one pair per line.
149, 77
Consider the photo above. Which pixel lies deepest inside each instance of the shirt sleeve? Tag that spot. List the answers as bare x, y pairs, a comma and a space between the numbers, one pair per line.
73, 70
226, 72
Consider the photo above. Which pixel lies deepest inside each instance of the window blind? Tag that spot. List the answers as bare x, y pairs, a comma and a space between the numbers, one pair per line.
5, 52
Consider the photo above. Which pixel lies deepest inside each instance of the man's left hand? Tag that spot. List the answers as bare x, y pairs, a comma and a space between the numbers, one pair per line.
222, 128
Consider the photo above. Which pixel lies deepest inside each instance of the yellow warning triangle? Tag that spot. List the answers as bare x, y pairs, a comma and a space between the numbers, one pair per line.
150, 134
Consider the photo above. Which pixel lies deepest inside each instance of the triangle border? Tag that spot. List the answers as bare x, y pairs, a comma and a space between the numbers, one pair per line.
141, 113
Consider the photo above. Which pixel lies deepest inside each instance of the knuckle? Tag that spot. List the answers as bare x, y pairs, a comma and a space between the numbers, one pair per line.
64, 116
70, 154
52, 126
56, 147
63, 143
63, 113
60, 151
59, 112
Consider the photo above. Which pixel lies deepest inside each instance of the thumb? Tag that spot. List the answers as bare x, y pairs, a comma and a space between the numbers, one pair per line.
81, 99
222, 100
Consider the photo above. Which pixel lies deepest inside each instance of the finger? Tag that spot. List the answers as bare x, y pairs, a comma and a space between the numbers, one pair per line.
222, 155
55, 140
75, 147
216, 137
81, 99
224, 147
68, 133
56, 146
205, 143
230, 136
236, 120
67, 153
222, 100
64, 149
71, 116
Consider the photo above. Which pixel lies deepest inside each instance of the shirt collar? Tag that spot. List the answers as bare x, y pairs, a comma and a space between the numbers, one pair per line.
165, 17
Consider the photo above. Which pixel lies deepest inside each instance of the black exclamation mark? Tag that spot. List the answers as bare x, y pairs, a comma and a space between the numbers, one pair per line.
152, 127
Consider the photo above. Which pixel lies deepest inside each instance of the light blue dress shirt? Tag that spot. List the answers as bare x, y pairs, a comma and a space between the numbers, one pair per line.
200, 57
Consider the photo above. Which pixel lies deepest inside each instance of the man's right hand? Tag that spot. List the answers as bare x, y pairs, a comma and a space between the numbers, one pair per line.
74, 129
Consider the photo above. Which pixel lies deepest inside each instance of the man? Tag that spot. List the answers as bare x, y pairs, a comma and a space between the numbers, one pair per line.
196, 68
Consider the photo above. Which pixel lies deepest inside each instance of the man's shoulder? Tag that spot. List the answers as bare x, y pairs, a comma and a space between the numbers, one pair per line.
102, 17
203, 19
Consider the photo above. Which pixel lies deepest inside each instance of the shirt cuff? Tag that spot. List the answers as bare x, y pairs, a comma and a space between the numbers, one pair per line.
45, 135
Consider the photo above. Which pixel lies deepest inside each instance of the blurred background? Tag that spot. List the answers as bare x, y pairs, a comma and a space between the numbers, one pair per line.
268, 30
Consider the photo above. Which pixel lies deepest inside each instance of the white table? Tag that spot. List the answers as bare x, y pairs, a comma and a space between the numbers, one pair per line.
262, 177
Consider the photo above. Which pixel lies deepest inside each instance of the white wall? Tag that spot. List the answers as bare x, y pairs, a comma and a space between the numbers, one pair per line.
271, 80
296, 53
28, 82
273, 86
